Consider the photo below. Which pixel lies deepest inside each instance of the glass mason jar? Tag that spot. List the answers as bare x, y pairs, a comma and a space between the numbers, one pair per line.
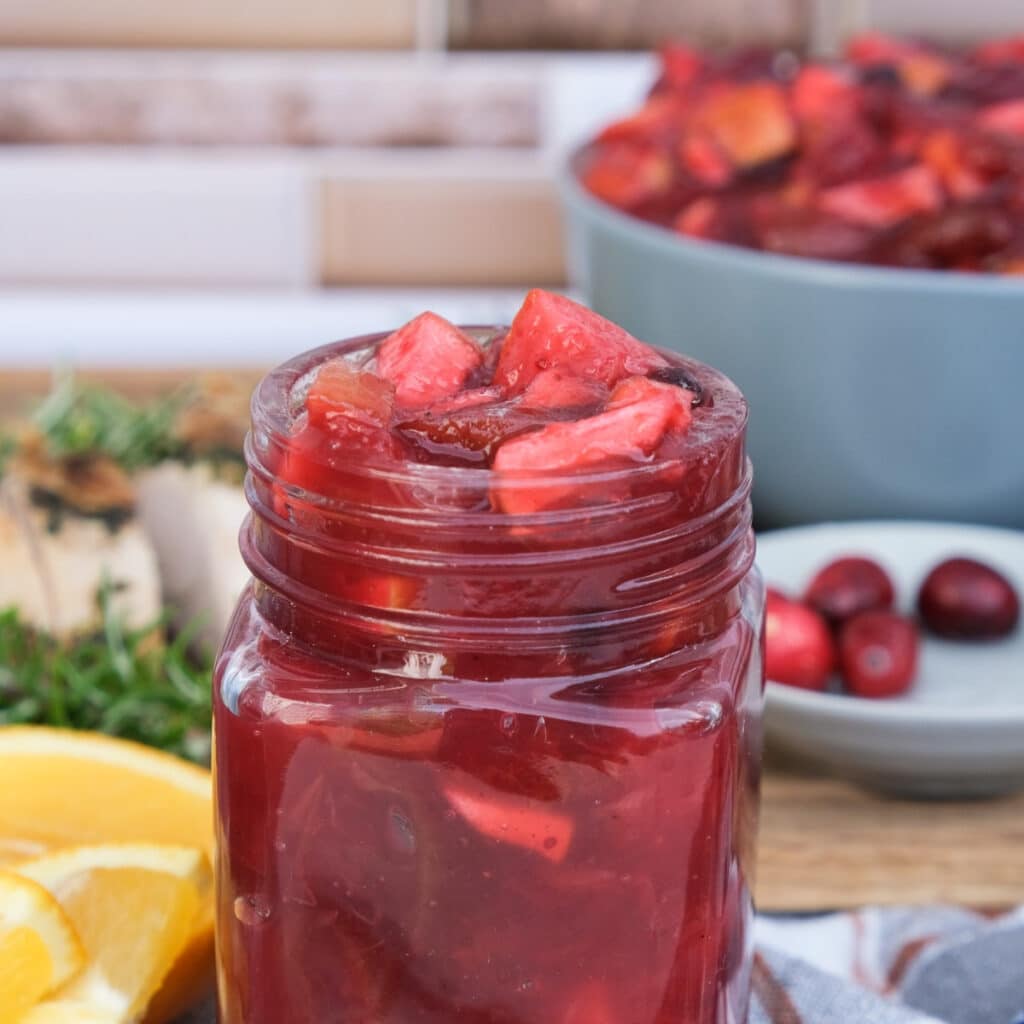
488, 767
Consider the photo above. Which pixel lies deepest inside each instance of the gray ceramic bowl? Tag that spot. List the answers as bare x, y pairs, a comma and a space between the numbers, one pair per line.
873, 392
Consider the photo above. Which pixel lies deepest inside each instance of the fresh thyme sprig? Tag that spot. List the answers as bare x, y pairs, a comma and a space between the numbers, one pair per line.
122, 682
80, 420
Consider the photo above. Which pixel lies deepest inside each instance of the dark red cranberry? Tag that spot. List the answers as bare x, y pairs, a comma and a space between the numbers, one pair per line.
878, 654
967, 600
849, 586
799, 649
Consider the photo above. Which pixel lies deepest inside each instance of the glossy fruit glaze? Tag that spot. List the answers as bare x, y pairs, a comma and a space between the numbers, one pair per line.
487, 737
899, 153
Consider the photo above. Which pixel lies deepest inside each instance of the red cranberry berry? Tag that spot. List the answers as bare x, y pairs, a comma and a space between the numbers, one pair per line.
878, 654
799, 649
967, 600
848, 586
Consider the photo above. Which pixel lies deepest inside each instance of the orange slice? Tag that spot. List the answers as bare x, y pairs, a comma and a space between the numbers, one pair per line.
134, 907
61, 788
39, 949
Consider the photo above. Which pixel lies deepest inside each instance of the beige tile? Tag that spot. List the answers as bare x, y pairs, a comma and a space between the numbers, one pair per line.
196, 98
262, 23
477, 225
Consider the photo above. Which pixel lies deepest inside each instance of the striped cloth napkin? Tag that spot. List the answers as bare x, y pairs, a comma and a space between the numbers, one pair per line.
893, 965
910, 965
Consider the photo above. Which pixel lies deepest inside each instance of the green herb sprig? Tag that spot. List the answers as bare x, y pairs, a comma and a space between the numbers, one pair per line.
121, 682
80, 420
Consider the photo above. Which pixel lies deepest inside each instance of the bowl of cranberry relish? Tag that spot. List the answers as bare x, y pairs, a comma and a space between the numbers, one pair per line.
845, 241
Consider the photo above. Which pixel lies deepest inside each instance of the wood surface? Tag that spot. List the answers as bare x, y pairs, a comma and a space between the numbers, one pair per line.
824, 844
827, 845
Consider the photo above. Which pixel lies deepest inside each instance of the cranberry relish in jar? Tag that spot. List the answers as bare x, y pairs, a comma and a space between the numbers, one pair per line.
488, 718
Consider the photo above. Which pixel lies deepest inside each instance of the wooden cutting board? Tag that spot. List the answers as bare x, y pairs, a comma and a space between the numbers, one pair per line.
824, 844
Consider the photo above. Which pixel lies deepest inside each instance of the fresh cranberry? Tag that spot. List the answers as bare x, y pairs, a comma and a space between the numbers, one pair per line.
878, 654
799, 649
848, 586
968, 600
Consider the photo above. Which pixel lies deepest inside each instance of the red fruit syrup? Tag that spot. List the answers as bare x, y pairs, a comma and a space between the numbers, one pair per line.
488, 718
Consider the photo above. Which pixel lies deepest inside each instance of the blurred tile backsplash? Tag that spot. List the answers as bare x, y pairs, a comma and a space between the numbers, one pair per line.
387, 142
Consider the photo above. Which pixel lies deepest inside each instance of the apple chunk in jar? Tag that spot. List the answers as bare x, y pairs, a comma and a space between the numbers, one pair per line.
488, 717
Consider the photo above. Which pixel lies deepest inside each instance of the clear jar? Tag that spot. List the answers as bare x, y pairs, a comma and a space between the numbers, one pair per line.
485, 767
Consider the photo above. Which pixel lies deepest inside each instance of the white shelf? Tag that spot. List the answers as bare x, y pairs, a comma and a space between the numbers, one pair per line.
40, 328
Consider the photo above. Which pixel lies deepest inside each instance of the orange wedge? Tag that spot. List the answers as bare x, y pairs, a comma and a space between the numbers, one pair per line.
39, 949
134, 907
63, 1011
60, 789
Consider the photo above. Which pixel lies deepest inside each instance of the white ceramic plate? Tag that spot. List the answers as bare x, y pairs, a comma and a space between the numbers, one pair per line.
959, 731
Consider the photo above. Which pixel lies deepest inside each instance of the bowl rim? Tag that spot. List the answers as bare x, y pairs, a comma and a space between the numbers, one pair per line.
857, 710
808, 270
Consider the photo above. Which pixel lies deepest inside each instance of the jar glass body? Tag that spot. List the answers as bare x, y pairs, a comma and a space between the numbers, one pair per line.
488, 772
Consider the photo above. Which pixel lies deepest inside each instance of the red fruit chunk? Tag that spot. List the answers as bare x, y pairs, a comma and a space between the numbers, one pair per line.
551, 331
341, 391
799, 650
704, 160
590, 1005
516, 821
878, 48
681, 66
884, 202
1000, 51
657, 120
383, 591
810, 233
675, 400
557, 389
639, 415
824, 94
627, 175
347, 411
428, 359
1004, 119
849, 586
750, 123
958, 237
947, 155
839, 151
925, 74
967, 600
878, 654
701, 219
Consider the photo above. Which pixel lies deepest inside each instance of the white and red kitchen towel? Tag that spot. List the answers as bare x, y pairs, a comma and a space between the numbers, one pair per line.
893, 965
